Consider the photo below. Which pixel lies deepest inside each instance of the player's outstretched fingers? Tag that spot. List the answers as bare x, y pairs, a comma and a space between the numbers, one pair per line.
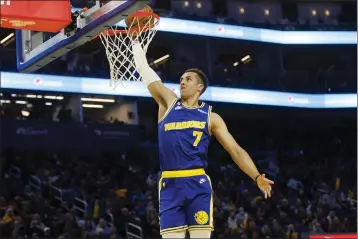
269, 192
267, 180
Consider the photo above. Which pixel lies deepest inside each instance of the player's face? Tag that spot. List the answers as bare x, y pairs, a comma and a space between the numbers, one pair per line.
190, 85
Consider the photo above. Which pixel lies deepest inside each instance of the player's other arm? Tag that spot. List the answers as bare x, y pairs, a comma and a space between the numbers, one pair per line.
239, 155
162, 95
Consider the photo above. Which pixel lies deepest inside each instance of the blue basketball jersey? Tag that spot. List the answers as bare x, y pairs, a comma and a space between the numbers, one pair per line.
184, 137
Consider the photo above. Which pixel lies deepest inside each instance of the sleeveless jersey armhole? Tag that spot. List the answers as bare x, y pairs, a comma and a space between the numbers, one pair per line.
209, 119
168, 111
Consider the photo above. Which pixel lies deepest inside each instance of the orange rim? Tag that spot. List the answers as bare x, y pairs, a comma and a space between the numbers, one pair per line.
112, 32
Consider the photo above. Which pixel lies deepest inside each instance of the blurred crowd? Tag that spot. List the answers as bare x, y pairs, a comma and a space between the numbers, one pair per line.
114, 194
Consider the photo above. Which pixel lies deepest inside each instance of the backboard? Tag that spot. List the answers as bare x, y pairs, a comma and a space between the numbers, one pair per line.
37, 49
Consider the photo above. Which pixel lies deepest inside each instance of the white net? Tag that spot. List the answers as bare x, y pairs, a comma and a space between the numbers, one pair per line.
118, 45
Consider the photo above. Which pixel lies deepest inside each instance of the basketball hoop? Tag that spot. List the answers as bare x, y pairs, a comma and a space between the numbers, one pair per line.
118, 46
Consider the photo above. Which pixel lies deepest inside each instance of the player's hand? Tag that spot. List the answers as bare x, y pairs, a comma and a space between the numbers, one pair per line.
264, 185
134, 35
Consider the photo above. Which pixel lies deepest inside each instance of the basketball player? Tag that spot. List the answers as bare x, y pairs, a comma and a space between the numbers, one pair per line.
185, 127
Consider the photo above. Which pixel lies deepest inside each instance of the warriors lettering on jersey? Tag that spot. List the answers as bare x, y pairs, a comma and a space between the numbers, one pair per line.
184, 125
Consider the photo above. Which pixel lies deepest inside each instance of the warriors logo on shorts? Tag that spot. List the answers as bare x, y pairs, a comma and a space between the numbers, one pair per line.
201, 217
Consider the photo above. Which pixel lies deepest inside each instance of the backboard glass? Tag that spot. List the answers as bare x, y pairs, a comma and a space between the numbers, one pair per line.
37, 49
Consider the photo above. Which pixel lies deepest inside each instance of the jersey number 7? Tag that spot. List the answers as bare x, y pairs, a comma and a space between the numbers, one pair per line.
198, 135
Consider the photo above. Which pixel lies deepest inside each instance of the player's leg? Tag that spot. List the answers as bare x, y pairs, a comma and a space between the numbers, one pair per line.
173, 222
199, 210
171, 210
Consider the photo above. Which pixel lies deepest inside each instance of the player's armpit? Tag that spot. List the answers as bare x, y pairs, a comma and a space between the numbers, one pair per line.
238, 154
164, 110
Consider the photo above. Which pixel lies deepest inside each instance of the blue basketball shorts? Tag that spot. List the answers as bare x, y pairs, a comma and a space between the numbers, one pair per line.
185, 201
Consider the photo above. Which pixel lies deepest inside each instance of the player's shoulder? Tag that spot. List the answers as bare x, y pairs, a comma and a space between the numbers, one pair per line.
215, 119
215, 115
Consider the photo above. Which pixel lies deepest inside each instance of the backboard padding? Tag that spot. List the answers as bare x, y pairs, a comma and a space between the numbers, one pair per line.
31, 59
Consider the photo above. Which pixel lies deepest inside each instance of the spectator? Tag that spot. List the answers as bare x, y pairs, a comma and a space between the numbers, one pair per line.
88, 230
232, 222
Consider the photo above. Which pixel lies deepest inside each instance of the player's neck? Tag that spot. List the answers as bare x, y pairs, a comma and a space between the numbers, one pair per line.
191, 102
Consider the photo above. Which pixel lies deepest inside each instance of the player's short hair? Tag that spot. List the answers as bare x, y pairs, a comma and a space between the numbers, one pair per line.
202, 76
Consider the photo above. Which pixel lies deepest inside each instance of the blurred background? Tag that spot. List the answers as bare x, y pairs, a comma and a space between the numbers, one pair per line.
86, 165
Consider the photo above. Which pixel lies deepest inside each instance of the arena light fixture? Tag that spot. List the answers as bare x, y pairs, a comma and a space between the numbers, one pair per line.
98, 100
30, 96
48, 103
22, 102
25, 113
53, 97
7, 38
92, 106
9, 42
243, 60
160, 60
246, 59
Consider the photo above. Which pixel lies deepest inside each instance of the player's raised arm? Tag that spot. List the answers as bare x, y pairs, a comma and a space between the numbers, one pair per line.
239, 155
162, 95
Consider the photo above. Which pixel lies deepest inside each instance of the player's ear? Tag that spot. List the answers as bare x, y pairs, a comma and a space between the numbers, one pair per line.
200, 87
